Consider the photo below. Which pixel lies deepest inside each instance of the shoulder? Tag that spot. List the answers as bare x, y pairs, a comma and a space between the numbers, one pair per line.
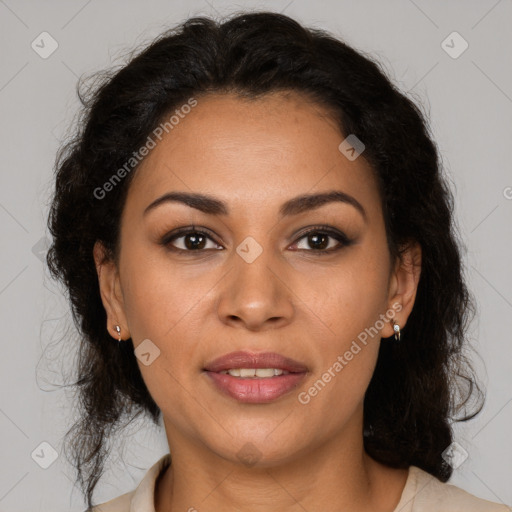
140, 499
120, 504
426, 493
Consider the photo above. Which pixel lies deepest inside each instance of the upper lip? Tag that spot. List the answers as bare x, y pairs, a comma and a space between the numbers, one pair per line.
242, 359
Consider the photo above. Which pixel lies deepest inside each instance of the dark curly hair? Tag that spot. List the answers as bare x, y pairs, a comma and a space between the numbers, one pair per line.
421, 384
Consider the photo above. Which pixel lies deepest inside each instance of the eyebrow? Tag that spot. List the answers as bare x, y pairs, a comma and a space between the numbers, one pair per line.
300, 204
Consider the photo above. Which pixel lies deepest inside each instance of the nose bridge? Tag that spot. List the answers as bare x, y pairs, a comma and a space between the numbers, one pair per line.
254, 290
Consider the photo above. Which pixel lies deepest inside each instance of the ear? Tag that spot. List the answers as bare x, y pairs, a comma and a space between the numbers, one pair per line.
403, 286
110, 290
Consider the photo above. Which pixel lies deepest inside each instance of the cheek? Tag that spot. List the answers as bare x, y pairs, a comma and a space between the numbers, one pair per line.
345, 307
161, 305
161, 298
347, 341
348, 298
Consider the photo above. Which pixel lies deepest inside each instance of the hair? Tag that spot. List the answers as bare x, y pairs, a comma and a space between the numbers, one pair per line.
420, 383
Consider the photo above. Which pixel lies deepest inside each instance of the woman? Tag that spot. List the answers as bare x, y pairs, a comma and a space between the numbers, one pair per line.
259, 249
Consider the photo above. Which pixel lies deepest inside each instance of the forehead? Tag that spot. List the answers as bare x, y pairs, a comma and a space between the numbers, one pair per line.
246, 151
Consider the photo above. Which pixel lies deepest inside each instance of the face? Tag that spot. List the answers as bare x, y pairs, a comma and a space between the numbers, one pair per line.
306, 281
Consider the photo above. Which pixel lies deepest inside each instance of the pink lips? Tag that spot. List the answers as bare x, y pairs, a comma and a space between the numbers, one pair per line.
255, 390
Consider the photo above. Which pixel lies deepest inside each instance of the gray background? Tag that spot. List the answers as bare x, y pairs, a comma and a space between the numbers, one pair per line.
469, 100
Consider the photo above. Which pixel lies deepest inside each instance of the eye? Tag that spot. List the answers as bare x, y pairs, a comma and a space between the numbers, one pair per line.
322, 240
190, 240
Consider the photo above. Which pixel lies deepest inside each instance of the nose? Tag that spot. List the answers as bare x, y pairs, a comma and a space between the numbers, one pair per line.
256, 295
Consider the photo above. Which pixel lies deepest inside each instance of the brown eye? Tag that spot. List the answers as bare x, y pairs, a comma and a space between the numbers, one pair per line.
322, 240
318, 240
189, 240
194, 241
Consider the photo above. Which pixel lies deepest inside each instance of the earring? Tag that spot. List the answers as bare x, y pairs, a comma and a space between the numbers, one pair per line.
396, 328
118, 330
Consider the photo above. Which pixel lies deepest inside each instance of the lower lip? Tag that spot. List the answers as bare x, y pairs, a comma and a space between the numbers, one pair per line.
257, 390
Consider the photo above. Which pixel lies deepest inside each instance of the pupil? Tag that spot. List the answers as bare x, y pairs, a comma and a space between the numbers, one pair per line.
314, 239
191, 241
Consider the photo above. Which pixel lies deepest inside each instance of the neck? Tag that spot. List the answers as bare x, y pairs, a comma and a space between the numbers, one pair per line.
330, 478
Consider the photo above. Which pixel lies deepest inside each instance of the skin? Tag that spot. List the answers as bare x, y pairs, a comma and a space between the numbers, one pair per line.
196, 306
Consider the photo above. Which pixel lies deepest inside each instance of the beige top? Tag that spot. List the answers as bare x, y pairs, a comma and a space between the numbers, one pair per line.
422, 493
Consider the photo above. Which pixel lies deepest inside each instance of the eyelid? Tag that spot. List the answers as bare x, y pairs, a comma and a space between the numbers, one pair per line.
342, 239
180, 232
320, 228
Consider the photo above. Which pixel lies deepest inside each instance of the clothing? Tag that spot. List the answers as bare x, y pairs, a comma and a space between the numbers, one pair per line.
422, 493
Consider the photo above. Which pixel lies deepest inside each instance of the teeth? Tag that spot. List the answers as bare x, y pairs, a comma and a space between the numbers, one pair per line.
255, 372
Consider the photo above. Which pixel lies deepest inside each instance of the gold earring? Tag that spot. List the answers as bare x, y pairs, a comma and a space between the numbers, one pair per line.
118, 330
396, 329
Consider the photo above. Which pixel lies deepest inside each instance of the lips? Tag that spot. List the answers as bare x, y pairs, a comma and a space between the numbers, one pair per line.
244, 359
255, 390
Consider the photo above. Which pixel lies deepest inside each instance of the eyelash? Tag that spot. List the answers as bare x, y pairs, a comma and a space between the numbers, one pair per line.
343, 240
